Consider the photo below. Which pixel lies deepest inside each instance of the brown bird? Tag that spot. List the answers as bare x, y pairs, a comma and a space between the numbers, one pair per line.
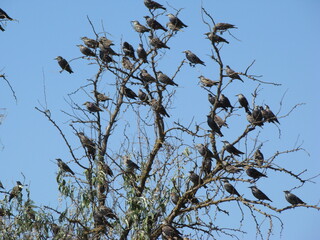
91, 43
64, 64
243, 102
64, 167
86, 51
175, 199
195, 179
173, 27
157, 43
153, 5
270, 117
258, 157
214, 126
142, 54
229, 188
163, 78
129, 93
215, 38
126, 63
204, 150
88, 144
231, 149
223, 27
154, 24
219, 121
170, 233
104, 43
139, 28
232, 74
157, 107
143, 96
176, 21
254, 173
146, 77
92, 107
100, 96
206, 82
16, 190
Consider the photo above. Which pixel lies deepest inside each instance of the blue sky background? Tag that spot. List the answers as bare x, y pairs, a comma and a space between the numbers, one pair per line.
282, 36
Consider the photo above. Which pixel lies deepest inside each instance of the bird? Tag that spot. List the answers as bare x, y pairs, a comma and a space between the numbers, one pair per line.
146, 77
91, 43
229, 188
16, 190
222, 27
212, 99
154, 24
206, 82
157, 43
176, 21
231, 149
258, 157
86, 51
139, 27
88, 144
293, 199
243, 102
163, 78
100, 96
143, 96
213, 125
193, 58
130, 165
126, 63
195, 179
92, 107
254, 173
108, 212
106, 168
257, 116
270, 117
204, 150
64, 64
142, 54
206, 165
64, 167
104, 43
152, 5
109, 51
128, 50
232, 74
259, 194
215, 38
4, 15
224, 102
231, 168
173, 27
175, 198
170, 233
157, 107
105, 56
129, 93
219, 121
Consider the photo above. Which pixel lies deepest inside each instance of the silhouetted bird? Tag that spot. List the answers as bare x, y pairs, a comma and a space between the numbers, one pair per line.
219, 121
229, 188
129, 93
232, 74
170, 233
91, 43
215, 38
157, 107
270, 117
16, 190
128, 50
212, 99
231, 149
64, 64
4, 15
154, 24
105, 57
176, 21
157, 43
204, 151
163, 78
223, 27
139, 28
225, 103
86, 51
108, 212
146, 77
213, 125
257, 116
293, 199
206, 82
100, 96
254, 173
193, 58
88, 144
175, 198
126, 63
92, 107
106, 168
143, 96
195, 179
243, 102
259, 194
258, 157
105, 43
130, 166
142, 54
64, 167
152, 5
206, 165
100, 220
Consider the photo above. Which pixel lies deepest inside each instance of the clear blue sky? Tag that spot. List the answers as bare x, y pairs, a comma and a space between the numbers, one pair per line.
282, 36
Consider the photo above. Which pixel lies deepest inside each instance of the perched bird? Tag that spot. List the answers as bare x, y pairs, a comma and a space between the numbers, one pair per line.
139, 28
88, 144
154, 24
92, 107
173, 27
64, 64
109, 51
229, 188
157, 43
243, 102
219, 121
231, 168
4, 15
152, 5
86, 51
231, 149
259, 194
126, 63
213, 125
254, 173
157, 107
100, 96
128, 50
176, 21
195, 179
258, 157
206, 82
170, 233
16, 190
91, 43
129, 93
193, 58
212, 99
142, 54
108, 212
293, 199
269, 116
175, 198
215, 38
224, 102
105, 57
64, 167
143, 96
253, 121
222, 27
104, 43
130, 166
232, 74
100, 220
206, 165
163, 78
257, 116
146, 77
204, 150
106, 168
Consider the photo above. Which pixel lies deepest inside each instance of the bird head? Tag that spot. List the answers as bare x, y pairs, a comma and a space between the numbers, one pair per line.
286, 192
58, 58
253, 187
86, 103
19, 183
146, 17
225, 142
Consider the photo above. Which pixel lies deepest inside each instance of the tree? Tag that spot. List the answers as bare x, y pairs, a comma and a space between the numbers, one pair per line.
122, 186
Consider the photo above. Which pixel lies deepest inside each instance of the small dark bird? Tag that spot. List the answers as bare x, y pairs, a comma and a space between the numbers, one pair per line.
163, 78
293, 199
222, 27
195, 179
106, 168
225, 103
243, 102
129, 93
230, 168
108, 212
170, 233
157, 43
269, 116
173, 27
92, 107
193, 58
142, 54
130, 166
143, 96
219, 121
215, 38
229, 188
176, 21
139, 28
105, 57
128, 50
206, 82
109, 51
152, 5
91, 43
100, 220
16, 190
258, 157
105, 43
126, 63
231, 149
257, 116
64, 167
88, 144
212, 99
204, 150
101, 97
157, 107
253, 121
254, 173
154, 24
206, 165
86, 51
232, 74
259, 194
64, 64
146, 77
175, 198
213, 125
4, 15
